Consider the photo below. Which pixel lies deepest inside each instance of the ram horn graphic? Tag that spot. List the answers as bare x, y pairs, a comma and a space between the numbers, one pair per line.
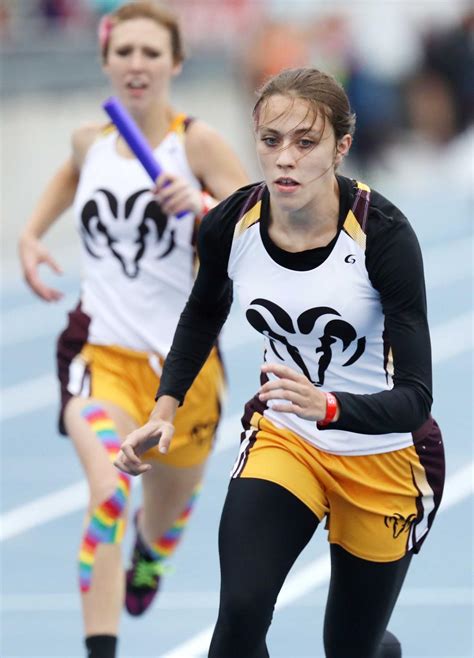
345, 332
259, 323
128, 232
279, 328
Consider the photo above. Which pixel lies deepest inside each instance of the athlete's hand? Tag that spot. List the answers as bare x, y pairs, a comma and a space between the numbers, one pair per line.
175, 195
32, 254
156, 432
303, 398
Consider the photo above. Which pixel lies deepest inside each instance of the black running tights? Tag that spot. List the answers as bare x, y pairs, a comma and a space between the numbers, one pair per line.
262, 531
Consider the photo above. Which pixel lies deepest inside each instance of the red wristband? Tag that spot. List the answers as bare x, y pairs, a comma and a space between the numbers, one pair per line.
331, 410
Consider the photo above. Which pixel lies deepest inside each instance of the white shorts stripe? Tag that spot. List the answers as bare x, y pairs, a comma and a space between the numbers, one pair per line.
420, 527
241, 457
78, 378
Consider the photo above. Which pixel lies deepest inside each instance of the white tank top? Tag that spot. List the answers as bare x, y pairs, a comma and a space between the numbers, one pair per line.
138, 264
326, 322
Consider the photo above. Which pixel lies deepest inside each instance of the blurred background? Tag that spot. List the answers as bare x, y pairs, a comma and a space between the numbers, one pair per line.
408, 67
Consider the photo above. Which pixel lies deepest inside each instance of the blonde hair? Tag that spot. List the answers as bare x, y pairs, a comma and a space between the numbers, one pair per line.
144, 9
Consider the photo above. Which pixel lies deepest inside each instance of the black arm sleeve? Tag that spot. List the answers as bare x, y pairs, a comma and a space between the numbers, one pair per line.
209, 302
395, 268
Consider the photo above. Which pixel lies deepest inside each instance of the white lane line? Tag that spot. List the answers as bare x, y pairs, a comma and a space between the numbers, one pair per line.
35, 320
317, 572
27, 397
458, 259
70, 499
449, 339
447, 596
458, 487
452, 337
48, 602
41, 392
43, 509
21, 324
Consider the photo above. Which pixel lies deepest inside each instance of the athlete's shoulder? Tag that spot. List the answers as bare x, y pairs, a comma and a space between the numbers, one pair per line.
83, 138
384, 214
198, 131
212, 159
201, 139
392, 244
218, 226
389, 230
231, 210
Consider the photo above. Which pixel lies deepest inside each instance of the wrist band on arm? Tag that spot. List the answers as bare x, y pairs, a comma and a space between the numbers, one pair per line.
331, 410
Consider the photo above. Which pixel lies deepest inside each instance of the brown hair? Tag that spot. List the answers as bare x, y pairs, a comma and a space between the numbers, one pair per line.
324, 94
145, 9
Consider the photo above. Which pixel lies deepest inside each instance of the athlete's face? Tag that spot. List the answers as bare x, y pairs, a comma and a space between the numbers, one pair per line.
297, 152
140, 62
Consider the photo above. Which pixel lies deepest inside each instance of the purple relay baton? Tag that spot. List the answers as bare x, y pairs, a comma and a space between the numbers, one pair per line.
134, 137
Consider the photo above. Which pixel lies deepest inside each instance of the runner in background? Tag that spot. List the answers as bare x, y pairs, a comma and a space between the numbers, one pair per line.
330, 273
138, 266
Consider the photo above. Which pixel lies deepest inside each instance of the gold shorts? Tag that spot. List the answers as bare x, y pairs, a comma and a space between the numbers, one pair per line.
130, 380
378, 507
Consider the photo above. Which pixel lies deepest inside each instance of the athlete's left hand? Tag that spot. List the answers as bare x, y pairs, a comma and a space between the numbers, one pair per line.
175, 195
156, 432
304, 399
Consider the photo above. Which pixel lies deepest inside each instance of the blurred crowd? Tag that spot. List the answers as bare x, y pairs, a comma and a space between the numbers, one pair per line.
51, 14
410, 77
425, 100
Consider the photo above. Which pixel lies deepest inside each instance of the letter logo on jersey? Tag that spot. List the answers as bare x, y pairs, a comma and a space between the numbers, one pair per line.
329, 333
127, 230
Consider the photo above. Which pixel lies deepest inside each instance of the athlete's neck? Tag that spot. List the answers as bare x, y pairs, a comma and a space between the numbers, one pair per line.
313, 225
154, 122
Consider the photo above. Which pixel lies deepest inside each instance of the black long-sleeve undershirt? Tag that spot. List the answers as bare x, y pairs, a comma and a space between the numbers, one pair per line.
395, 268
207, 307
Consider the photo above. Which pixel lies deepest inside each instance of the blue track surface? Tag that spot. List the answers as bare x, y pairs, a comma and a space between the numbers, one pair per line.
40, 604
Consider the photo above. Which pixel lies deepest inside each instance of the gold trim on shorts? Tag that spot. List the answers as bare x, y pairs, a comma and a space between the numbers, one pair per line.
130, 379
378, 507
